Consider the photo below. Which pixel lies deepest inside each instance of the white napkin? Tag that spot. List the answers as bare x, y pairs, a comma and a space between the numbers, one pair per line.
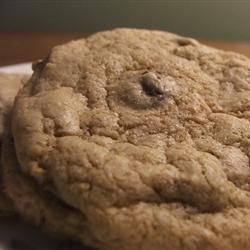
22, 68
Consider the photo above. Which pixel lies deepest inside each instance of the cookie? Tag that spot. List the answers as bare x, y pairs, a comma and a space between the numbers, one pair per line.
38, 206
146, 134
9, 86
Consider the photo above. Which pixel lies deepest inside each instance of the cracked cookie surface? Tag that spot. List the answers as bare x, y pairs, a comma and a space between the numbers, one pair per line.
38, 206
146, 134
9, 86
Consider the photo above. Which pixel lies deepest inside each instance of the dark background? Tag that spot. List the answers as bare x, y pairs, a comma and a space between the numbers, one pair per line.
217, 20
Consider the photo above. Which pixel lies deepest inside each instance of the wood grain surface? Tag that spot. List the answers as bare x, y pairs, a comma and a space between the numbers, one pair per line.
18, 47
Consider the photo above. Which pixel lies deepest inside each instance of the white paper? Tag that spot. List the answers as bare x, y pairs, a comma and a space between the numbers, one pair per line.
24, 68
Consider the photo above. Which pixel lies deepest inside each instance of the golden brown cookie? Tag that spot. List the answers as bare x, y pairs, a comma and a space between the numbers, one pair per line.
146, 135
9, 86
38, 206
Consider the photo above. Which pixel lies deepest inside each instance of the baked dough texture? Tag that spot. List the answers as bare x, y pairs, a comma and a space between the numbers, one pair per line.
143, 137
9, 86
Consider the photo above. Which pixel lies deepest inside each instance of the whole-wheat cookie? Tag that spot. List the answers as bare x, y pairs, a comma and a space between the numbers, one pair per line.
9, 86
146, 134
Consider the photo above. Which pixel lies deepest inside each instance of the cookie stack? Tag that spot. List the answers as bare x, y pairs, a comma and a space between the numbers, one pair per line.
9, 86
134, 139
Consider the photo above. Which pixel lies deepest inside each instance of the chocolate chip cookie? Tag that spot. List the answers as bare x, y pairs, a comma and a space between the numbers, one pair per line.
38, 206
145, 135
9, 86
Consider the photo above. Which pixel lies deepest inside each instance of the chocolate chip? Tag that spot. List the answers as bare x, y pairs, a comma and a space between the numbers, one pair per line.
151, 85
142, 90
186, 42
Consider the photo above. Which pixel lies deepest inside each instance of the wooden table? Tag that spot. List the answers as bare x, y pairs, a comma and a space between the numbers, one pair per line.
17, 47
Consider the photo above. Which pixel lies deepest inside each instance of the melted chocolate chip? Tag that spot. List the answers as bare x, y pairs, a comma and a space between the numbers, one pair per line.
142, 90
186, 41
150, 85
